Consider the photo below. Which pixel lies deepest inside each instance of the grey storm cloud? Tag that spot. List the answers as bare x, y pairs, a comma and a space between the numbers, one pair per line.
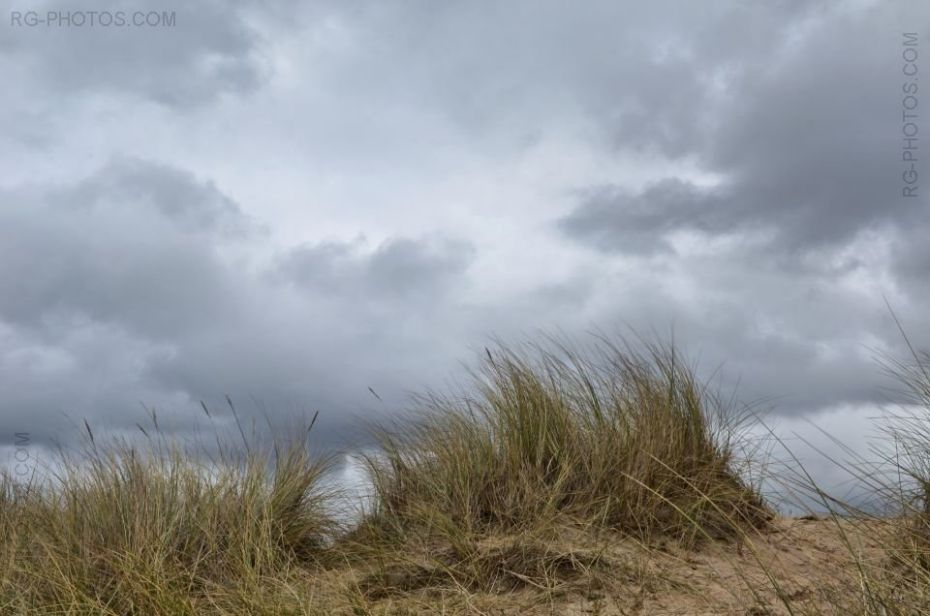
807, 212
117, 295
615, 218
807, 146
116, 247
178, 196
100, 278
399, 268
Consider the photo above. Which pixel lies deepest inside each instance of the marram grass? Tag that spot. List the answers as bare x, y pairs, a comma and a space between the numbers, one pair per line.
557, 480
612, 438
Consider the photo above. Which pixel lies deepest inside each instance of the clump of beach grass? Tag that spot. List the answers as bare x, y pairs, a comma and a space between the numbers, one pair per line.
117, 529
892, 578
615, 437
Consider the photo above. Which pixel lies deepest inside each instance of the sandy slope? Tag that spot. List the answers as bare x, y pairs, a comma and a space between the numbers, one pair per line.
808, 560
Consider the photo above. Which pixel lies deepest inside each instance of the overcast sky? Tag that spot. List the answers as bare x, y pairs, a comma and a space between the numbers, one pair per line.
292, 202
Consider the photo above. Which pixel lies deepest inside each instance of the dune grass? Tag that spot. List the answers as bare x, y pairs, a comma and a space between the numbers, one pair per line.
894, 578
556, 476
548, 457
899, 584
612, 438
119, 531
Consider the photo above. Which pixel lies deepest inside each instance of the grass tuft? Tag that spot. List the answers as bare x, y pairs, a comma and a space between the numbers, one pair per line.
603, 480
119, 531
609, 439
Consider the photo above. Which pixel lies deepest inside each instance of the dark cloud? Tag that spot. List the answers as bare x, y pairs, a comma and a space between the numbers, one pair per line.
649, 78
807, 144
118, 294
131, 245
133, 184
804, 230
616, 219
400, 268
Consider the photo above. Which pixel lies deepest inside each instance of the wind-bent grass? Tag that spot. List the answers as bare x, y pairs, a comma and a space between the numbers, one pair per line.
613, 439
118, 531
897, 582
904, 584
560, 474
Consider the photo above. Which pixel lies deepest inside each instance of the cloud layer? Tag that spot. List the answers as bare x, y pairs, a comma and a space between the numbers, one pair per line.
293, 205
